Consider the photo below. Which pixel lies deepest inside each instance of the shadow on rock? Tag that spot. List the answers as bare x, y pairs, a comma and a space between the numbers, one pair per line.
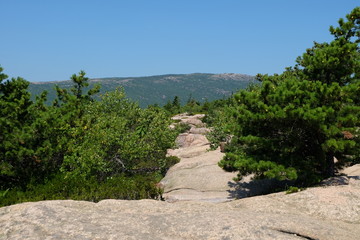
249, 187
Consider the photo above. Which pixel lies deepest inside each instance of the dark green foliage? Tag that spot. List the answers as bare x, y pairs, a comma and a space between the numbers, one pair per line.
181, 127
176, 103
34, 137
293, 189
337, 61
60, 187
173, 107
191, 107
294, 124
221, 120
18, 139
169, 162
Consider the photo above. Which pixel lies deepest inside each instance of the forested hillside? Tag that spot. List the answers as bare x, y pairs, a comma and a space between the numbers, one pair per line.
161, 89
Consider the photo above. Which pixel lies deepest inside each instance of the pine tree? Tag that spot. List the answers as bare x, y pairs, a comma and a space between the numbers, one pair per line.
294, 125
16, 155
176, 104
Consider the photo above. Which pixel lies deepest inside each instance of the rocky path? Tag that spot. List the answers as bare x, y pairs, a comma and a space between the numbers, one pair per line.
325, 213
197, 177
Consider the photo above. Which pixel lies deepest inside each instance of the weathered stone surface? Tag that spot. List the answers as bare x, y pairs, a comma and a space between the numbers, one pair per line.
316, 213
189, 139
196, 130
343, 177
188, 152
198, 177
192, 120
334, 203
333, 181
352, 172
185, 116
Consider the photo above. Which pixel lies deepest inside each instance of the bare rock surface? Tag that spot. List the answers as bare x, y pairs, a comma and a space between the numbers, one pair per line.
200, 176
189, 152
192, 120
191, 139
197, 177
196, 130
352, 172
317, 213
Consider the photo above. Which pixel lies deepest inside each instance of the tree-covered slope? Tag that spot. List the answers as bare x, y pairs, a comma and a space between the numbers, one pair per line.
162, 88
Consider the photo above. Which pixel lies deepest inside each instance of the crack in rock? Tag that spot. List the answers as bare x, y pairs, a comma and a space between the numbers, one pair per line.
295, 234
176, 189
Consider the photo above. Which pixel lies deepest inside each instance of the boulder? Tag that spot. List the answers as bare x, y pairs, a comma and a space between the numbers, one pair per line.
188, 139
188, 152
193, 120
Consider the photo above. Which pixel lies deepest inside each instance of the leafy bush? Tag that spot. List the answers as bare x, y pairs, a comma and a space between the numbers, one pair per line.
118, 136
79, 148
293, 190
182, 127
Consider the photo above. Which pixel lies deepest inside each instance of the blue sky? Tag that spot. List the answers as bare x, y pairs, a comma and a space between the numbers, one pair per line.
50, 40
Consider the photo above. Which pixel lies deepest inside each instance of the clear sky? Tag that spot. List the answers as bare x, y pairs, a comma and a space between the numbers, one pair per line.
48, 40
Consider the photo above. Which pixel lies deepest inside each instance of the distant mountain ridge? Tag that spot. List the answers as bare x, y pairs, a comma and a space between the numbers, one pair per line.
162, 88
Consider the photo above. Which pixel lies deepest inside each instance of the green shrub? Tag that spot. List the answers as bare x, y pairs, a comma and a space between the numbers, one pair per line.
59, 188
182, 127
293, 189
